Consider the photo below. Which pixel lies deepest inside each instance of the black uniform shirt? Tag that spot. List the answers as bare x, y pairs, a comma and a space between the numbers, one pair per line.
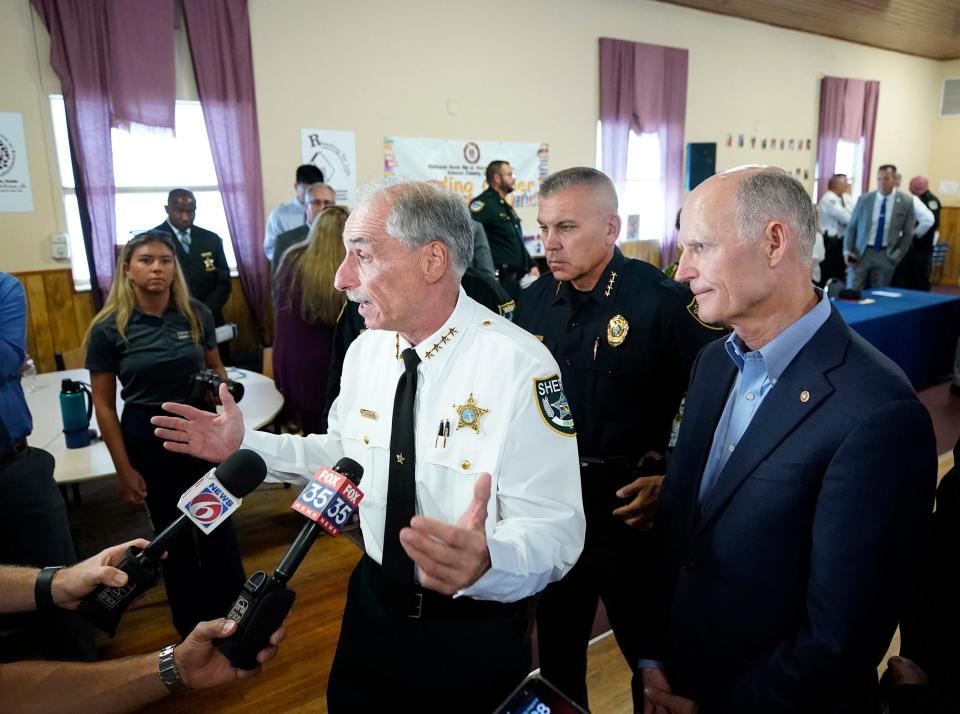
158, 357
624, 396
502, 226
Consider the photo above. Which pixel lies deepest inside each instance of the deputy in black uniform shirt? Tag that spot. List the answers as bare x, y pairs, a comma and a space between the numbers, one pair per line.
502, 226
200, 256
625, 337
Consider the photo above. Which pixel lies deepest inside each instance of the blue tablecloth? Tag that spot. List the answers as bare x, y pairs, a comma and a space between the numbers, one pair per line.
917, 330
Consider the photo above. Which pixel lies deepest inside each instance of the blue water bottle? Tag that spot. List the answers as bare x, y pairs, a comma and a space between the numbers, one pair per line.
76, 409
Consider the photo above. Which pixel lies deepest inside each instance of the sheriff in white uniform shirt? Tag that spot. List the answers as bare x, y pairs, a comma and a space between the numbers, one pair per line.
454, 633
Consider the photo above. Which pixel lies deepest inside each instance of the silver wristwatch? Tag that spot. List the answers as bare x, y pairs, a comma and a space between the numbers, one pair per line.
168, 672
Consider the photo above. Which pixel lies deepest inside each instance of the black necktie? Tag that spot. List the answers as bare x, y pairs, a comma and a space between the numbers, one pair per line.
401, 488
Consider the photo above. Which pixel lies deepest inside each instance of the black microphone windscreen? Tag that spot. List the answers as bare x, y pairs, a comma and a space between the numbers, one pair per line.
349, 468
241, 472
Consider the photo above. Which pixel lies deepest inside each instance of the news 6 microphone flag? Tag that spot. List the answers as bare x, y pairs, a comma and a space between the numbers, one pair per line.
328, 499
208, 503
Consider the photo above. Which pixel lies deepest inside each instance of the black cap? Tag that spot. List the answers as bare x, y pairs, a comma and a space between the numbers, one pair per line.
241, 472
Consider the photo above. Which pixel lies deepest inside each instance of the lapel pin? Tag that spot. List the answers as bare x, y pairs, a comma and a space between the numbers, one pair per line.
804, 396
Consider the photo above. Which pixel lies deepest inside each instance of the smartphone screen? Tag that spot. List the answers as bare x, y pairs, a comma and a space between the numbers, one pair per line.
537, 696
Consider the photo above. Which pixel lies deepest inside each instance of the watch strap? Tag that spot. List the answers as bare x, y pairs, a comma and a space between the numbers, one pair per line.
42, 592
167, 669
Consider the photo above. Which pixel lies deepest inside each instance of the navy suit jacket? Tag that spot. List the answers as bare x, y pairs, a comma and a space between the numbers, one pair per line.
785, 585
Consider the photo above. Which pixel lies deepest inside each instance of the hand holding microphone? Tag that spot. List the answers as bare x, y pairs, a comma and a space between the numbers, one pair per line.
328, 500
206, 504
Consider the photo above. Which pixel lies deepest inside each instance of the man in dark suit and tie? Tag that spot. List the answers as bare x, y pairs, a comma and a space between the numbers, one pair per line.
797, 493
200, 254
879, 233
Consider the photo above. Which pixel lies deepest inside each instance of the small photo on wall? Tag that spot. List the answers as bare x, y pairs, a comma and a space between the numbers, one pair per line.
729, 140
781, 145
808, 145
791, 145
806, 174
740, 141
763, 144
753, 142
773, 142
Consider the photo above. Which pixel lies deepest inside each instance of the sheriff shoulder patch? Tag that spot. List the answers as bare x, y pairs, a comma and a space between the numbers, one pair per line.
694, 309
476, 206
553, 405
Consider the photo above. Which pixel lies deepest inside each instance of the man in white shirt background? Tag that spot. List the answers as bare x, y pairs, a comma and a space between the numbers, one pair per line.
834, 217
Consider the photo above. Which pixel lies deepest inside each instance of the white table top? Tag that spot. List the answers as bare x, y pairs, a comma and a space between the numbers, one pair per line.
260, 404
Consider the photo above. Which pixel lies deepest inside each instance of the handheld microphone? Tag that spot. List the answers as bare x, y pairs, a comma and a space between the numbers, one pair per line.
206, 504
328, 500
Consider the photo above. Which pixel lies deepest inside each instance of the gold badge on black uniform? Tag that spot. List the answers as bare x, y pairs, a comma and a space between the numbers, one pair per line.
617, 330
208, 264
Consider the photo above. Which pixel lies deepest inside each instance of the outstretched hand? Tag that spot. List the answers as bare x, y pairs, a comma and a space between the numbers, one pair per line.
211, 437
451, 557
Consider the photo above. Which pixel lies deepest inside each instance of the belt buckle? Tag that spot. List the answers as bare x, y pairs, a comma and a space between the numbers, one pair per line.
417, 610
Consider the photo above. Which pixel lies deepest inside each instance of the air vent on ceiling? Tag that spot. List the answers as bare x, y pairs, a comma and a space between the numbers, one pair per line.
950, 99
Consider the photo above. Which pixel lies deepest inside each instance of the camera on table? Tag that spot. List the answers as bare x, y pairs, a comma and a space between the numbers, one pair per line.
204, 392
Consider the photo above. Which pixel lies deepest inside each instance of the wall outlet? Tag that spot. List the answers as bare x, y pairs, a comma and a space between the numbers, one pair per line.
60, 246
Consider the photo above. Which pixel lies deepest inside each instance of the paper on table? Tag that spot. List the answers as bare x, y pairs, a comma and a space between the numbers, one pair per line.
886, 293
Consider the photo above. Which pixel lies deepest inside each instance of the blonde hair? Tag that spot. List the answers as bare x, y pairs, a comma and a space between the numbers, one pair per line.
308, 269
122, 299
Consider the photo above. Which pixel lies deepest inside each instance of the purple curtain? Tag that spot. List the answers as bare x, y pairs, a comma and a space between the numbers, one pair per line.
848, 111
643, 88
219, 35
114, 59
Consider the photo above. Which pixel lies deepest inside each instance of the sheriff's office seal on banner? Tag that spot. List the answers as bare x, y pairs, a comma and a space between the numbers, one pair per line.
553, 405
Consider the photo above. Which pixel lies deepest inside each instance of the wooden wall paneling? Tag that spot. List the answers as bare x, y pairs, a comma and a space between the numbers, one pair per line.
58, 287
83, 314
39, 321
648, 250
950, 233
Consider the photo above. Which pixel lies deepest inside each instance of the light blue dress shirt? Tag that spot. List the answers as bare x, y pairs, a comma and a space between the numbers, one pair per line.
757, 374
283, 218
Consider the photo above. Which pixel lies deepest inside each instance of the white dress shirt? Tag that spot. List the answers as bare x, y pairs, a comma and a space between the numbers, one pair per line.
535, 523
923, 215
834, 215
875, 217
283, 218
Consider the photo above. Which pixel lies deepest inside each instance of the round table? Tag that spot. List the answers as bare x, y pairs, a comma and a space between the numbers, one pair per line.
260, 404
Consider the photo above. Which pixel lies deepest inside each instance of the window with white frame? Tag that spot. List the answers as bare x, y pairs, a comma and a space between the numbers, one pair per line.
147, 163
850, 162
642, 200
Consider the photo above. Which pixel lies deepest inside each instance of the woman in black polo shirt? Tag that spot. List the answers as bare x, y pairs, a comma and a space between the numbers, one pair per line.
154, 337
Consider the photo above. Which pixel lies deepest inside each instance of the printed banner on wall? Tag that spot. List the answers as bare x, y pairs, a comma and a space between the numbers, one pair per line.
460, 165
334, 153
15, 193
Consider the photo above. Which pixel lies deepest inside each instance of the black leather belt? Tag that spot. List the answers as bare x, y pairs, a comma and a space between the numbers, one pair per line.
15, 449
421, 604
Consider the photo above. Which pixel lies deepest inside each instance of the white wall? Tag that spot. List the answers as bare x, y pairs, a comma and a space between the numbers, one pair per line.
518, 71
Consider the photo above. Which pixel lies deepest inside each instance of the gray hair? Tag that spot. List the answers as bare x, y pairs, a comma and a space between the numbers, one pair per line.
774, 195
320, 184
580, 176
420, 213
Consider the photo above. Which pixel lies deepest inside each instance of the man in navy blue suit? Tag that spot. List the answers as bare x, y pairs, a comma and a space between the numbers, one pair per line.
803, 475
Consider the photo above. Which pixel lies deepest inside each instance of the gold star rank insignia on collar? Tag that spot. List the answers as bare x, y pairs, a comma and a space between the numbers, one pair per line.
609, 288
469, 413
617, 330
